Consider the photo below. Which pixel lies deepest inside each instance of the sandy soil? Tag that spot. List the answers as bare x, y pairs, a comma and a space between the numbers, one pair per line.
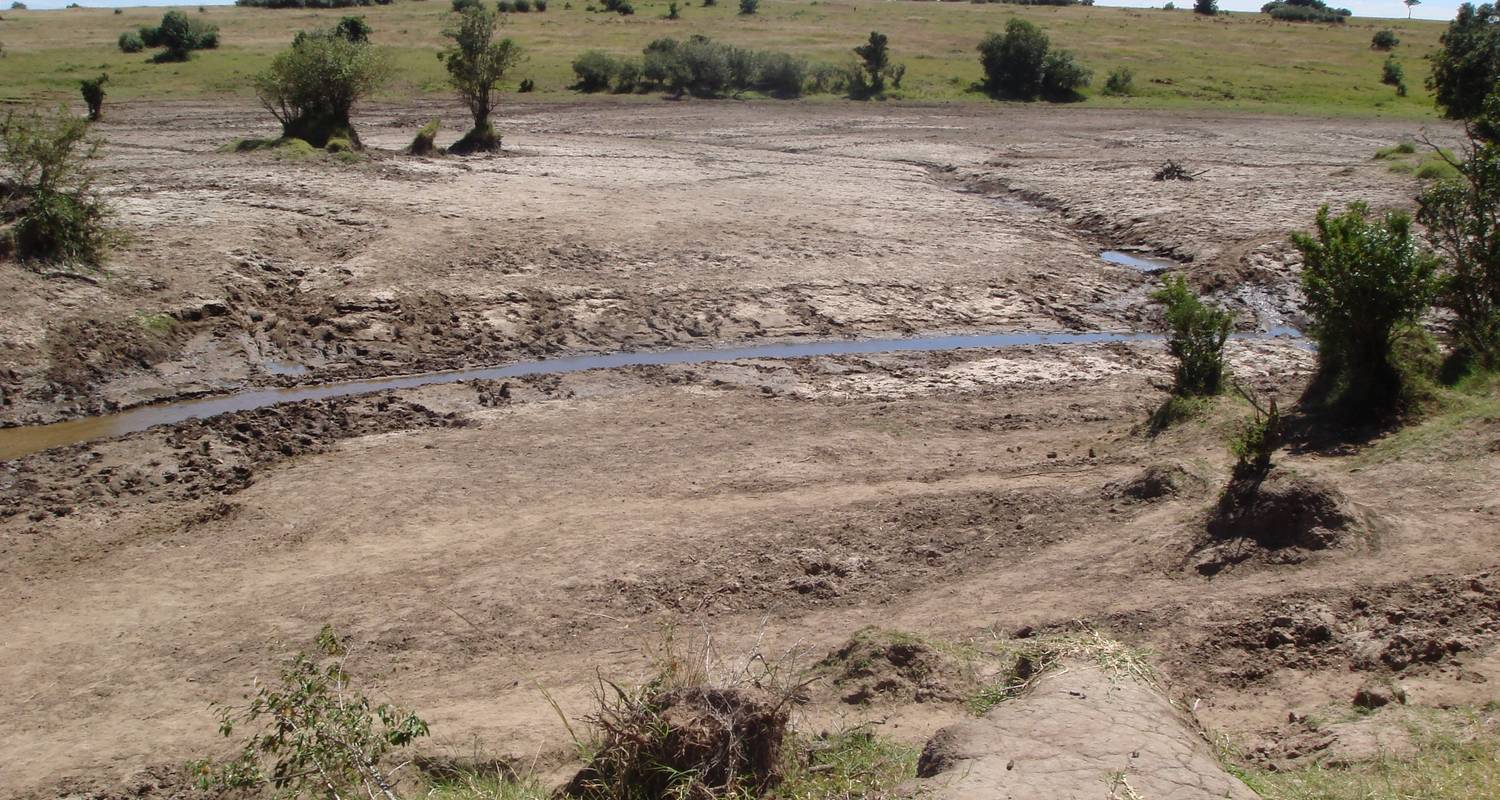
478, 541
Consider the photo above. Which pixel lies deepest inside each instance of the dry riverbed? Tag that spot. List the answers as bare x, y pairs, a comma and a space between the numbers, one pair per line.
478, 540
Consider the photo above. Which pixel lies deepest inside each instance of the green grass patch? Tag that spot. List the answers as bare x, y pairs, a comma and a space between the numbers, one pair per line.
1449, 414
158, 323
1457, 759
850, 764
486, 786
1236, 61
1178, 409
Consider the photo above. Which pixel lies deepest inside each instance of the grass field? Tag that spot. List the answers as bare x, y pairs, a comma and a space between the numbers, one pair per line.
1180, 60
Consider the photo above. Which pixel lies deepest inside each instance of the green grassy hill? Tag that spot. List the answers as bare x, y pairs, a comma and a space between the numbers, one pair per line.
1180, 60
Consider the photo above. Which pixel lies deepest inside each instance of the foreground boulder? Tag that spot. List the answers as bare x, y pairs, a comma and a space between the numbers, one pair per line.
1080, 734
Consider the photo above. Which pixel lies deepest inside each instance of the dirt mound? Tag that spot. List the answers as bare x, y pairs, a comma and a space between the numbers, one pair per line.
1278, 518
887, 665
1155, 482
1082, 732
1401, 629
690, 742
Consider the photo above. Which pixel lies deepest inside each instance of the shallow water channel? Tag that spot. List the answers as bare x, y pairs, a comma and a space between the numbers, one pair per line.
21, 441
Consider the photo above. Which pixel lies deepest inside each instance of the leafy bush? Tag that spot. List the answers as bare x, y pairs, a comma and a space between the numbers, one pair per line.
523, 6
1363, 280
596, 71
477, 64
1196, 336
1462, 220
355, 29
460, 6
1304, 11
131, 42
621, 7
312, 86
180, 35
314, 734
1384, 39
1466, 68
1256, 440
49, 210
310, 3
425, 142
541, 5
1391, 74
1121, 82
875, 59
93, 95
748, 7
1020, 65
782, 75
1207, 8
527, 85
672, 11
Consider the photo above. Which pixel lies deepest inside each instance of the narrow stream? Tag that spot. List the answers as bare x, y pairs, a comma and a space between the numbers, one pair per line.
22, 441
1147, 264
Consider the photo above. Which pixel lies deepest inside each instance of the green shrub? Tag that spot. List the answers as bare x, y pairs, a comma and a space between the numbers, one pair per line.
477, 64
523, 6
1062, 77
782, 75
595, 70
312, 87
541, 5
1256, 441
1466, 68
460, 6
131, 42
180, 35
1304, 11
1384, 39
1207, 8
47, 196
313, 734
748, 7
93, 95
1020, 65
875, 57
1363, 279
526, 86
1013, 62
672, 11
1462, 217
1196, 336
1391, 73
355, 29
1121, 82
425, 142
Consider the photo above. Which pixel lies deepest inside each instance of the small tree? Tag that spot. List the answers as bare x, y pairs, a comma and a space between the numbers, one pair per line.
93, 95
1411, 4
1391, 74
476, 65
1120, 83
355, 29
1013, 62
49, 210
314, 734
1462, 220
875, 56
131, 42
1196, 336
1207, 8
180, 35
1384, 39
311, 87
748, 7
1364, 280
1465, 69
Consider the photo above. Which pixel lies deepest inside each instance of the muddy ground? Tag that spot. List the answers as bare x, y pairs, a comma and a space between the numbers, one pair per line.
478, 541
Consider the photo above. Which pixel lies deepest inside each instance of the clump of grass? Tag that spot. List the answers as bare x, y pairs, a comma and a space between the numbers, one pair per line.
1435, 167
1178, 409
1033, 658
845, 765
1403, 148
487, 786
1451, 762
287, 149
158, 323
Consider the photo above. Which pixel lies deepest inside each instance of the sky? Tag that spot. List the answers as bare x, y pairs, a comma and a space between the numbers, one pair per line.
1429, 9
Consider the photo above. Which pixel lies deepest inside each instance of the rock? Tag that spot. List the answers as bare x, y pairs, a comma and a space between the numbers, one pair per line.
1057, 742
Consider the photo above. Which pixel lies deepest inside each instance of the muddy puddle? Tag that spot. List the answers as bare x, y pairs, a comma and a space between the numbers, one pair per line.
21, 441
1146, 264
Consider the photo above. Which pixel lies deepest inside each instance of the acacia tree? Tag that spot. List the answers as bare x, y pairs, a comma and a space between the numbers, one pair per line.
312, 87
1465, 69
476, 65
